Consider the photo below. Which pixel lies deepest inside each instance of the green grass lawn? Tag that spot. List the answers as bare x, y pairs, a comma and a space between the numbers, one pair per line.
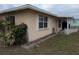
58, 45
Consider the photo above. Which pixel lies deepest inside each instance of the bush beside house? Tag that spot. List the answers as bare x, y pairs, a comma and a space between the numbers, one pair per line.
16, 35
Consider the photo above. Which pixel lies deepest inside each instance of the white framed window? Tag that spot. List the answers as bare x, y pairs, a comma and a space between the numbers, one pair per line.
43, 22
11, 19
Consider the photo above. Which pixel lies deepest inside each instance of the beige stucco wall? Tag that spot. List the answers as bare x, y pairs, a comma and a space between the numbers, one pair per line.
30, 18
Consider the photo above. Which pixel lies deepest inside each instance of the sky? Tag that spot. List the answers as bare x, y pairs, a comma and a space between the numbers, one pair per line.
59, 9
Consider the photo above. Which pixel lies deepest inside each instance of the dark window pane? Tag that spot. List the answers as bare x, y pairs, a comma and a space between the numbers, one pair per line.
45, 25
40, 24
45, 22
45, 19
11, 20
40, 19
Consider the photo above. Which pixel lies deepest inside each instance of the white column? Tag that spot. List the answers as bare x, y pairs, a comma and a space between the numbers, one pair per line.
67, 26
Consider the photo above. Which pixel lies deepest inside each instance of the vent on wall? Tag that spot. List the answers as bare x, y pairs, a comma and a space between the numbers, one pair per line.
53, 30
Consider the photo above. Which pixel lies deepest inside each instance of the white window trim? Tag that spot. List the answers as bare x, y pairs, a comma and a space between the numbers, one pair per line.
37, 21
43, 24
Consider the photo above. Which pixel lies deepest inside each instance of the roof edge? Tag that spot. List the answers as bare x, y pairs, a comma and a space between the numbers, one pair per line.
26, 7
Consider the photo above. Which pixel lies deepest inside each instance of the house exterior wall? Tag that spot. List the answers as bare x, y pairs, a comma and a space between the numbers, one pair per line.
30, 18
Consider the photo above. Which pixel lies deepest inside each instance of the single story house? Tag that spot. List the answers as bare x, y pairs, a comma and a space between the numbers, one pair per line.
40, 23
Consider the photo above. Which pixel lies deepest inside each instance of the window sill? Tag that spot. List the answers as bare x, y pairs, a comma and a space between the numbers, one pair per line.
41, 29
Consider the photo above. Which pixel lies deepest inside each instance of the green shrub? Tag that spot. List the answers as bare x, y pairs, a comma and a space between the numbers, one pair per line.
6, 36
8, 39
19, 32
14, 35
2, 25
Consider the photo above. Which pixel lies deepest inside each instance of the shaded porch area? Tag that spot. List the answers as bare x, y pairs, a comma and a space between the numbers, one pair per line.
65, 24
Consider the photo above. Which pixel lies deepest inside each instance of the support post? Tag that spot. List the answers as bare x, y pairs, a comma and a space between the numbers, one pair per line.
67, 26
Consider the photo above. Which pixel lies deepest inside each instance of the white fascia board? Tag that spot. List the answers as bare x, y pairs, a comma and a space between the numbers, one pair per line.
26, 7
